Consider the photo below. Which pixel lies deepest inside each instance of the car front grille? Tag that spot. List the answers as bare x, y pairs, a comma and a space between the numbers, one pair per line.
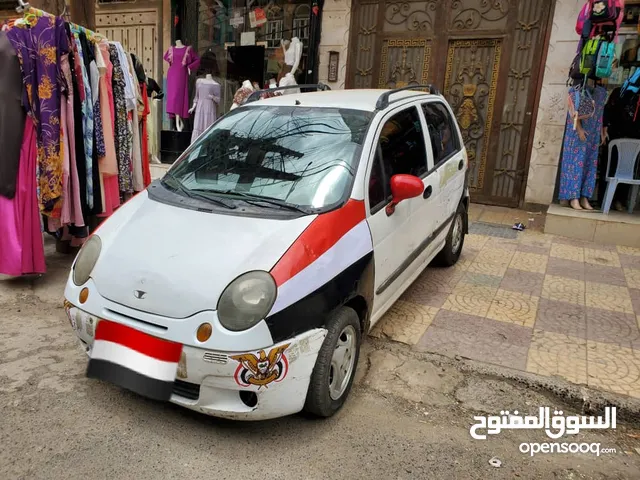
190, 391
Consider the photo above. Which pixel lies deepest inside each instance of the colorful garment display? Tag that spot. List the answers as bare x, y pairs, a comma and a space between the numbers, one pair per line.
181, 61
580, 158
206, 101
73, 140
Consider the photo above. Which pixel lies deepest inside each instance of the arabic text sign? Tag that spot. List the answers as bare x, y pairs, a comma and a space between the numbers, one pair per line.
555, 425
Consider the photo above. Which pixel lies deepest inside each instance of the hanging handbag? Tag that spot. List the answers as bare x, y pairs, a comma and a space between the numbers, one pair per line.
581, 105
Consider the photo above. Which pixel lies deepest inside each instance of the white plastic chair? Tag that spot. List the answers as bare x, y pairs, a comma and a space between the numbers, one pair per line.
628, 150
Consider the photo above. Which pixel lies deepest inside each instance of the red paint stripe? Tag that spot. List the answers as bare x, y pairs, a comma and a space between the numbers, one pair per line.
322, 234
136, 340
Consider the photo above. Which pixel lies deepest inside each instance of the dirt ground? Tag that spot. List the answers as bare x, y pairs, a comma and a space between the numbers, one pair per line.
407, 418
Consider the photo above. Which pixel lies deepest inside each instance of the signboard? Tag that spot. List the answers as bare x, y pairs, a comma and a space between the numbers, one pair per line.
257, 17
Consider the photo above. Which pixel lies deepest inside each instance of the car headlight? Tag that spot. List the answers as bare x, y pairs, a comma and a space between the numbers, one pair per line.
247, 300
86, 260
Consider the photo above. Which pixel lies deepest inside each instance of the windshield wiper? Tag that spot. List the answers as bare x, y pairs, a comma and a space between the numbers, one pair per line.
268, 200
197, 194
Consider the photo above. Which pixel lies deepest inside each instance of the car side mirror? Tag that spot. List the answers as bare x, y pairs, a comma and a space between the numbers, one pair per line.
403, 187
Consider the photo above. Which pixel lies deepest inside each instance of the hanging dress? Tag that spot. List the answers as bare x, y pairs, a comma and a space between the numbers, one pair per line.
181, 61
40, 72
207, 98
21, 247
580, 159
123, 136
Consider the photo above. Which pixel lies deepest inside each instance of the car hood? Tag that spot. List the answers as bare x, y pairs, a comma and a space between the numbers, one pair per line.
183, 259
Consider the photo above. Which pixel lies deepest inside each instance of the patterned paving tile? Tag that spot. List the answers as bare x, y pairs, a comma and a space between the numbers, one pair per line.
523, 247
601, 257
419, 294
487, 269
495, 256
629, 261
470, 299
633, 277
613, 368
628, 250
521, 281
608, 297
536, 239
618, 328
405, 322
453, 333
554, 354
568, 252
475, 242
512, 307
505, 243
529, 262
562, 317
439, 279
572, 242
467, 256
481, 279
560, 267
635, 299
563, 289
601, 274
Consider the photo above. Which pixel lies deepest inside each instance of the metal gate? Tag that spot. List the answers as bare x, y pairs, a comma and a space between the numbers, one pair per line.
485, 55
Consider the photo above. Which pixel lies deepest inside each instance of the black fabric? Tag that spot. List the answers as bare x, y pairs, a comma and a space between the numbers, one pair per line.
12, 117
139, 69
153, 87
208, 64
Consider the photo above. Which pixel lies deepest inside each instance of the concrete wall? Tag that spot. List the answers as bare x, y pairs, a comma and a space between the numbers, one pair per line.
552, 111
336, 19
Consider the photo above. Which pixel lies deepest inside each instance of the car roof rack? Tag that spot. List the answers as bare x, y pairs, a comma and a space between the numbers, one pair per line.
383, 101
256, 95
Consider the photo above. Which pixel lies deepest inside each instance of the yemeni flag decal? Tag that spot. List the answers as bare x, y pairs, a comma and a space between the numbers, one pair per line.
134, 360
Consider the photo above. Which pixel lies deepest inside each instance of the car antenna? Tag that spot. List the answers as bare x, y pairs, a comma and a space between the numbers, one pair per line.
297, 102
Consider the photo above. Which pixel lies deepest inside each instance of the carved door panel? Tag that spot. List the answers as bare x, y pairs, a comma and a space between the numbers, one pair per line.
485, 55
470, 86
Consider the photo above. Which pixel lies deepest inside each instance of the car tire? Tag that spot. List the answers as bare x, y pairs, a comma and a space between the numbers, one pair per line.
328, 389
450, 254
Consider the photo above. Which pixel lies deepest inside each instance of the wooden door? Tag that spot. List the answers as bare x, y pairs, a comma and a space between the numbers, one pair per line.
485, 56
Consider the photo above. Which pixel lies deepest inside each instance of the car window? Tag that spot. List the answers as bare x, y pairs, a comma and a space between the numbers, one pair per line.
442, 131
400, 149
301, 156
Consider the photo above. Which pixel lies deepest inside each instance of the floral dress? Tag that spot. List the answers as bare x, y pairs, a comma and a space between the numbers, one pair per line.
123, 136
580, 159
39, 45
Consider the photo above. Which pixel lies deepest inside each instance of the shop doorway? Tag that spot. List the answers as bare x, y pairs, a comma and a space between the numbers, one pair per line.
485, 56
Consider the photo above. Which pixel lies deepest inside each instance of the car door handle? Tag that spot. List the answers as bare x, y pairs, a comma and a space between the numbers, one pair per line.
427, 192
461, 165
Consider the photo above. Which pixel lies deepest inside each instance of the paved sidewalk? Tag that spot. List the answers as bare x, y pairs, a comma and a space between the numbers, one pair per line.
534, 302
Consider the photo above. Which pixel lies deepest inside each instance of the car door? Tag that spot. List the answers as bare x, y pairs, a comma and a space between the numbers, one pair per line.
399, 149
448, 157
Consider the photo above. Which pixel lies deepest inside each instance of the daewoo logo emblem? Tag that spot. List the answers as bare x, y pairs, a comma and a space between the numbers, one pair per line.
139, 294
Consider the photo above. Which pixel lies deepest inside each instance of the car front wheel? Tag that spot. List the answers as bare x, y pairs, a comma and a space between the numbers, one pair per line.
336, 364
450, 254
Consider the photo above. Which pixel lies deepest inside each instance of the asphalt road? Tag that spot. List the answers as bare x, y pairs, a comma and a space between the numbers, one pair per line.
406, 419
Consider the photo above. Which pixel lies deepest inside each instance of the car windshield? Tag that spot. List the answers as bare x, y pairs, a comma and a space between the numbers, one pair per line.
293, 155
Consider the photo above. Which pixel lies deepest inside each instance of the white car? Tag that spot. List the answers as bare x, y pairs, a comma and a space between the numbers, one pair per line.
242, 284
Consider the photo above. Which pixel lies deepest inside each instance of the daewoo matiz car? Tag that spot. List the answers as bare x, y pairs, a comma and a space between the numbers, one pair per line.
242, 283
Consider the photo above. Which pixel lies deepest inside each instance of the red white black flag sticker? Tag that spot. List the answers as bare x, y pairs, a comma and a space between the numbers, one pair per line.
134, 360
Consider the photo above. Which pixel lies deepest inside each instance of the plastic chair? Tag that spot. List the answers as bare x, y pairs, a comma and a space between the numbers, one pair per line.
628, 150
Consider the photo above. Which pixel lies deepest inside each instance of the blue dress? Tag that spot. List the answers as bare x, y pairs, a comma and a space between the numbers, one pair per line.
580, 159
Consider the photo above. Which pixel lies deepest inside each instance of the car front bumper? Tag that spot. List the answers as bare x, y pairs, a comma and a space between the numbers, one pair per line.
227, 384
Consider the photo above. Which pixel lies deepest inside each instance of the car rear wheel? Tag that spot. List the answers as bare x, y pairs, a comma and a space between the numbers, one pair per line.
336, 364
450, 254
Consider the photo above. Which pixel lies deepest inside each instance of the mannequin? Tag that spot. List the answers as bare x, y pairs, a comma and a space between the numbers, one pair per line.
292, 55
289, 80
182, 60
242, 94
205, 104
580, 150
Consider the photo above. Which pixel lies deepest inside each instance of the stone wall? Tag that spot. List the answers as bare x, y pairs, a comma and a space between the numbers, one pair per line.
336, 19
552, 111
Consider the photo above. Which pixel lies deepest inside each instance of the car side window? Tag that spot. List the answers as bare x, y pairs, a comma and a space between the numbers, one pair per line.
400, 149
442, 131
